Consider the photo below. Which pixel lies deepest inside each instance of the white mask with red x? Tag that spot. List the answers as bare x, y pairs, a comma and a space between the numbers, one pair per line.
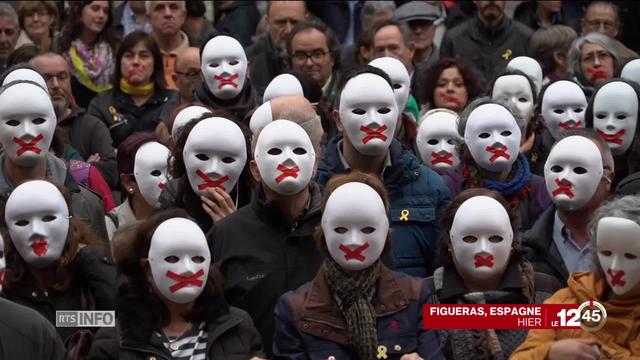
150, 170
437, 139
615, 115
563, 107
618, 244
224, 67
179, 258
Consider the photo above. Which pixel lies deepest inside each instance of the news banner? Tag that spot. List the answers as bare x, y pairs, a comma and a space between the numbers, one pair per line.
589, 316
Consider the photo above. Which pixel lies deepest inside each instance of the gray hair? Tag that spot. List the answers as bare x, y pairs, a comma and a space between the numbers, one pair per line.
149, 3
464, 115
614, 7
371, 8
556, 39
621, 54
626, 207
7, 10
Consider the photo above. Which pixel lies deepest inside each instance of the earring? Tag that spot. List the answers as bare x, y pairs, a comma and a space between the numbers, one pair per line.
130, 190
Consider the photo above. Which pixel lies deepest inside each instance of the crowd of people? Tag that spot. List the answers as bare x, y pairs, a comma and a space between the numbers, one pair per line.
294, 180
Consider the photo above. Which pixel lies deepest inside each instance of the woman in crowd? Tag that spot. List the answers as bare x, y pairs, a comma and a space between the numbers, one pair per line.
491, 158
38, 21
169, 301
614, 283
139, 99
550, 47
88, 42
450, 84
53, 260
355, 306
483, 264
142, 164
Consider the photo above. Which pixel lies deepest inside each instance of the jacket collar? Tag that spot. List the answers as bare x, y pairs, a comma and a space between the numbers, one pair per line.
542, 233
270, 212
455, 287
481, 31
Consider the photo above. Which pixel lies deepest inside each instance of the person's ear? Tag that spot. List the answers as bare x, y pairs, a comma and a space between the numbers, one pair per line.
255, 172
336, 117
129, 185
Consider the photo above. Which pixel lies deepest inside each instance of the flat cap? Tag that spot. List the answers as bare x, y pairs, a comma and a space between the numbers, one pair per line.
416, 10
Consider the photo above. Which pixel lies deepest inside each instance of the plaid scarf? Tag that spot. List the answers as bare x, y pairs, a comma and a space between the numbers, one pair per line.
353, 293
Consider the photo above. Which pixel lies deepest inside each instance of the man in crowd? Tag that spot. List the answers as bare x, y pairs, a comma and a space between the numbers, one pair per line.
167, 18
9, 32
420, 16
602, 17
85, 133
187, 73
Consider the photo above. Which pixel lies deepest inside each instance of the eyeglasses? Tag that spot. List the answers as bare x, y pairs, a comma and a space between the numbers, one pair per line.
191, 73
590, 58
597, 24
316, 56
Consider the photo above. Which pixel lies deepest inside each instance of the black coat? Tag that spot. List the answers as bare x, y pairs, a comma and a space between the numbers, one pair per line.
26, 335
237, 107
266, 63
261, 256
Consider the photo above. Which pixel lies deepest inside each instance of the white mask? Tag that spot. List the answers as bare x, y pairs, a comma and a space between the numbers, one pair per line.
214, 155
615, 115
27, 123
150, 170
563, 107
616, 239
285, 157
260, 118
515, 89
282, 85
179, 258
25, 74
399, 78
493, 137
572, 172
3, 263
369, 113
184, 117
355, 226
530, 67
481, 238
224, 67
437, 139
38, 220
631, 71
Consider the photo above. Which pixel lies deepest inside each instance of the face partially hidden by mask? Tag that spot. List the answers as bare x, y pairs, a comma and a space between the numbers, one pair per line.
492, 137
563, 107
150, 170
282, 85
437, 139
369, 114
224, 67
27, 123
214, 155
631, 71
184, 117
355, 226
179, 259
260, 118
515, 89
530, 67
615, 115
37, 218
481, 239
285, 157
399, 78
618, 248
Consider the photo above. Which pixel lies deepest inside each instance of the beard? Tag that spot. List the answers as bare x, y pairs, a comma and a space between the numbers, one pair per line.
59, 107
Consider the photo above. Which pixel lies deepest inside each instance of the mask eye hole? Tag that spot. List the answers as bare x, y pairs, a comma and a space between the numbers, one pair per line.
469, 239
556, 168
340, 230
202, 157
38, 121
368, 230
496, 239
234, 62
451, 142
578, 110
299, 151
432, 142
358, 111
558, 111
22, 223
49, 218
630, 256
522, 100
484, 135
172, 259
228, 160
213, 65
198, 259
1, 254
605, 253
156, 173
384, 111
601, 116
13, 122
621, 116
506, 133
396, 86
579, 170
274, 151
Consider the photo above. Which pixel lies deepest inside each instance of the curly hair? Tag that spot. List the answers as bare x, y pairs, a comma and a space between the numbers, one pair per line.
430, 80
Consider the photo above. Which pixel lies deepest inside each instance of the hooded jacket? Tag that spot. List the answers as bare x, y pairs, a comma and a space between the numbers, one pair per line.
619, 336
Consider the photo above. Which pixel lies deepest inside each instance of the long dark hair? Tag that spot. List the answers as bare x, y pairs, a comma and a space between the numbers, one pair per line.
128, 43
73, 28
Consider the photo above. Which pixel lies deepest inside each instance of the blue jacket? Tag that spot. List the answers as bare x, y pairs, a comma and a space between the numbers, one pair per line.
417, 197
309, 324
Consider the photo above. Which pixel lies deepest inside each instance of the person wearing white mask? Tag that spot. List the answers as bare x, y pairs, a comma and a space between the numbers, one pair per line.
578, 176
530, 67
437, 139
53, 259
170, 303
143, 166
208, 170
614, 282
353, 290
631, 71
483, 264
266, 248
367, 118
27, 126
613, 112
491, 158
226, 83
183, 117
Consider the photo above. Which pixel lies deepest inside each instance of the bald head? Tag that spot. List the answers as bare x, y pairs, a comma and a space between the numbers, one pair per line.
187, 72
298, 109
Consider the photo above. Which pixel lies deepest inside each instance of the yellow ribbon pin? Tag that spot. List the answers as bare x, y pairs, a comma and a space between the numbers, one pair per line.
382, 352
404, 215
507, 54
